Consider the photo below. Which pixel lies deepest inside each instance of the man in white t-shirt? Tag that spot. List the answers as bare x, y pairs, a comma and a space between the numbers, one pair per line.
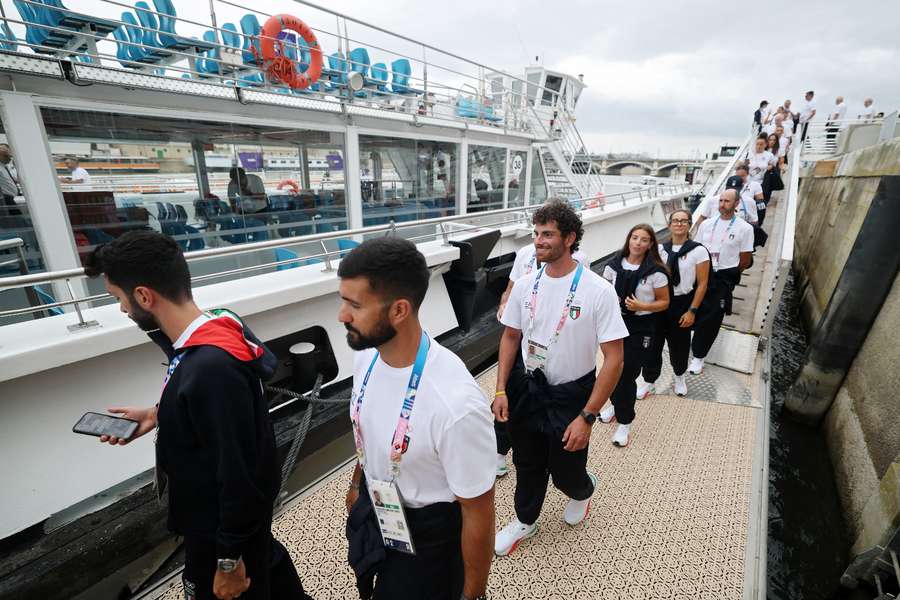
807, 114
836, 116
78, 174
729, 240
548, 389
424, 437
778, 121
750, 194
525, 263
867, 110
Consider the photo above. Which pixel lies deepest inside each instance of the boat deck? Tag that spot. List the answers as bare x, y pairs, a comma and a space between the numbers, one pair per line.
675, 515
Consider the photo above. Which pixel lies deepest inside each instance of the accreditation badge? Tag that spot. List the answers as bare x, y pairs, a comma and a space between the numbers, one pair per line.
392, 522
714, 257
536, 357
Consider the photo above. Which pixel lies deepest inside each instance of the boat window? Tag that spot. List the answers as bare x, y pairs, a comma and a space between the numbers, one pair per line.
16, 222
487, 166
515, 174
406, 180
538, 184
207, 184
551, 90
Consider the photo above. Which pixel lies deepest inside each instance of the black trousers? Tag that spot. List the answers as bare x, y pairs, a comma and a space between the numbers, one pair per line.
436, 571
269, 566
678, 338
705, 332
538, 457
637, 346
504, 444
803, 129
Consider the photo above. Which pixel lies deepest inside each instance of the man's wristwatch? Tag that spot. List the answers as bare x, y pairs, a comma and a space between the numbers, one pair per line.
227, 565
589, 417
693, 310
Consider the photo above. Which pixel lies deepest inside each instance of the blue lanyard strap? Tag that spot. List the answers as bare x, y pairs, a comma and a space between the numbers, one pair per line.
400, 440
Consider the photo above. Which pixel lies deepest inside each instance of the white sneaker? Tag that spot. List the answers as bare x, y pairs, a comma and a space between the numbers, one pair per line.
608, 414
502, 467
621, 437
644, 389
511, 536
680, 386
577, 510
696, 366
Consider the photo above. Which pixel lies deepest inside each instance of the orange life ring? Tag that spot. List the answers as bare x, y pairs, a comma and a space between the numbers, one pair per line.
289, 183
275, 60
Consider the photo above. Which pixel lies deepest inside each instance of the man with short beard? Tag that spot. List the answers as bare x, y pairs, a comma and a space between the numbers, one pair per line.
215, 446
557, 318
420, 506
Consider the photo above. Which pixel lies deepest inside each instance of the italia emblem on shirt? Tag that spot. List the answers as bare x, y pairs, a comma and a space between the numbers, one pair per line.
574, 312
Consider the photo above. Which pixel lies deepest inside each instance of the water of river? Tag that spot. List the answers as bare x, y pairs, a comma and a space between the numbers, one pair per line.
808, 543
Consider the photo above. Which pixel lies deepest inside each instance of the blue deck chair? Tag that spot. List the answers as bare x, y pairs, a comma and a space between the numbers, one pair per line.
8, 39
345, 245
36, 33
168, 38
47, 298
359, 62
137, 51
380, 78
57, 15
336, 73
230, 36
251, 28
401, 71
150, 33
210, 65
285, 254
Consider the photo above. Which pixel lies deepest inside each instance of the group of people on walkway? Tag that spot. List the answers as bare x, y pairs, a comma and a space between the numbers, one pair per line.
420, 502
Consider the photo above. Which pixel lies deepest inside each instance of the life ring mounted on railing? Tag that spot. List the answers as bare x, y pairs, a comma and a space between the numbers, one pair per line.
295, 188
274, 59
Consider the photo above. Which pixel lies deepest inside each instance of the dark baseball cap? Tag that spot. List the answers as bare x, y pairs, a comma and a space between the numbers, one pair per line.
734, 183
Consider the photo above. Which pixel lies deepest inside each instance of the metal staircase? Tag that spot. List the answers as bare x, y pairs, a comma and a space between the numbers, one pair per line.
567, 165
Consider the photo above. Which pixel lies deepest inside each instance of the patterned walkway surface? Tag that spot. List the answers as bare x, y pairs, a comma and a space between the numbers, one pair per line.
669, 518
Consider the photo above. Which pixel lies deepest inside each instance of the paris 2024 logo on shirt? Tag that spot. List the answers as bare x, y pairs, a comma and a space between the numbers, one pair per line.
574, 312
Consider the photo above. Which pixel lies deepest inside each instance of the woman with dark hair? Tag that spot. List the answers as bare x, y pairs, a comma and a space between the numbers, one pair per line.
688, 264
642, 285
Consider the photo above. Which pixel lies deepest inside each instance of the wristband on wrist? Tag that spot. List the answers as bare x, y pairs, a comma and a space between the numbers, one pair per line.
500, 393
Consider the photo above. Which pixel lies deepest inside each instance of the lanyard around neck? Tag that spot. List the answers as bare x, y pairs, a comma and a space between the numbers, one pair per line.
400, 441
565, 312
712, 233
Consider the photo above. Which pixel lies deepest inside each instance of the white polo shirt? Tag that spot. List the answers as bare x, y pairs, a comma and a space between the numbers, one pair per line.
526, 261
784, 143
758, 164
806, 113
726, 240
839, 111
82, 174
687, 267
866, 112
452, 448
594, 318
747, 208
646, 288
788, 125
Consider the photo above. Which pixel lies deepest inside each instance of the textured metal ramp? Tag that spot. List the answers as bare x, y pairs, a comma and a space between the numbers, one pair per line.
734, 350
669, 519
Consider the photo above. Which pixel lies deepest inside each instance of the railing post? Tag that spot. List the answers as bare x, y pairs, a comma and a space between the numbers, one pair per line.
81, 324
328, 268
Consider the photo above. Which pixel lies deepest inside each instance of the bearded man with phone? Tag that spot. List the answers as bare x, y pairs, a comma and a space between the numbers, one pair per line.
215, 445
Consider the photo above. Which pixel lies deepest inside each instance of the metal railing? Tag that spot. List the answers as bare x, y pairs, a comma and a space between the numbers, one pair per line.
823, 137
439, 80
519, 214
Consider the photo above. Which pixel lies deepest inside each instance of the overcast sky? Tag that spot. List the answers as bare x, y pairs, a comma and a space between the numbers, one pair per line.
674, 77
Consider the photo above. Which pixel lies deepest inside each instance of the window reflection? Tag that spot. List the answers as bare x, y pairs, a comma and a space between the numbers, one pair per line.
206, 184
487, 167
515, 174
406, 180
538, 183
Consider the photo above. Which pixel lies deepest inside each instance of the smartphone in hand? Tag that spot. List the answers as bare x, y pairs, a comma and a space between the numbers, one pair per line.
98, 424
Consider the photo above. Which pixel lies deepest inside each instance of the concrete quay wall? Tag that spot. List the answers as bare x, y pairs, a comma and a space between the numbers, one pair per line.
862, 423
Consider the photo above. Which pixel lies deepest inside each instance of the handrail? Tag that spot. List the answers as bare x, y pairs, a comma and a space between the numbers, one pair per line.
790, 219
47, 277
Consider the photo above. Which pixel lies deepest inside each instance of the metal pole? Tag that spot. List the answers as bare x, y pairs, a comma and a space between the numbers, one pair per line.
32, 296
212, 15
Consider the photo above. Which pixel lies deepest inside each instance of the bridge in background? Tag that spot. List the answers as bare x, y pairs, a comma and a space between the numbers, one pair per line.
643, 165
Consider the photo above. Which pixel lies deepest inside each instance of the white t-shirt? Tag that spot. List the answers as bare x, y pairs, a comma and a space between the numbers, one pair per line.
806, 113
594, 318
866, 112
770, 128
646, 289
784, 142
727, 239
526, 262
839, 111
759, 163
788, 125
687, 267
747, 204
80, 173
452, 448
